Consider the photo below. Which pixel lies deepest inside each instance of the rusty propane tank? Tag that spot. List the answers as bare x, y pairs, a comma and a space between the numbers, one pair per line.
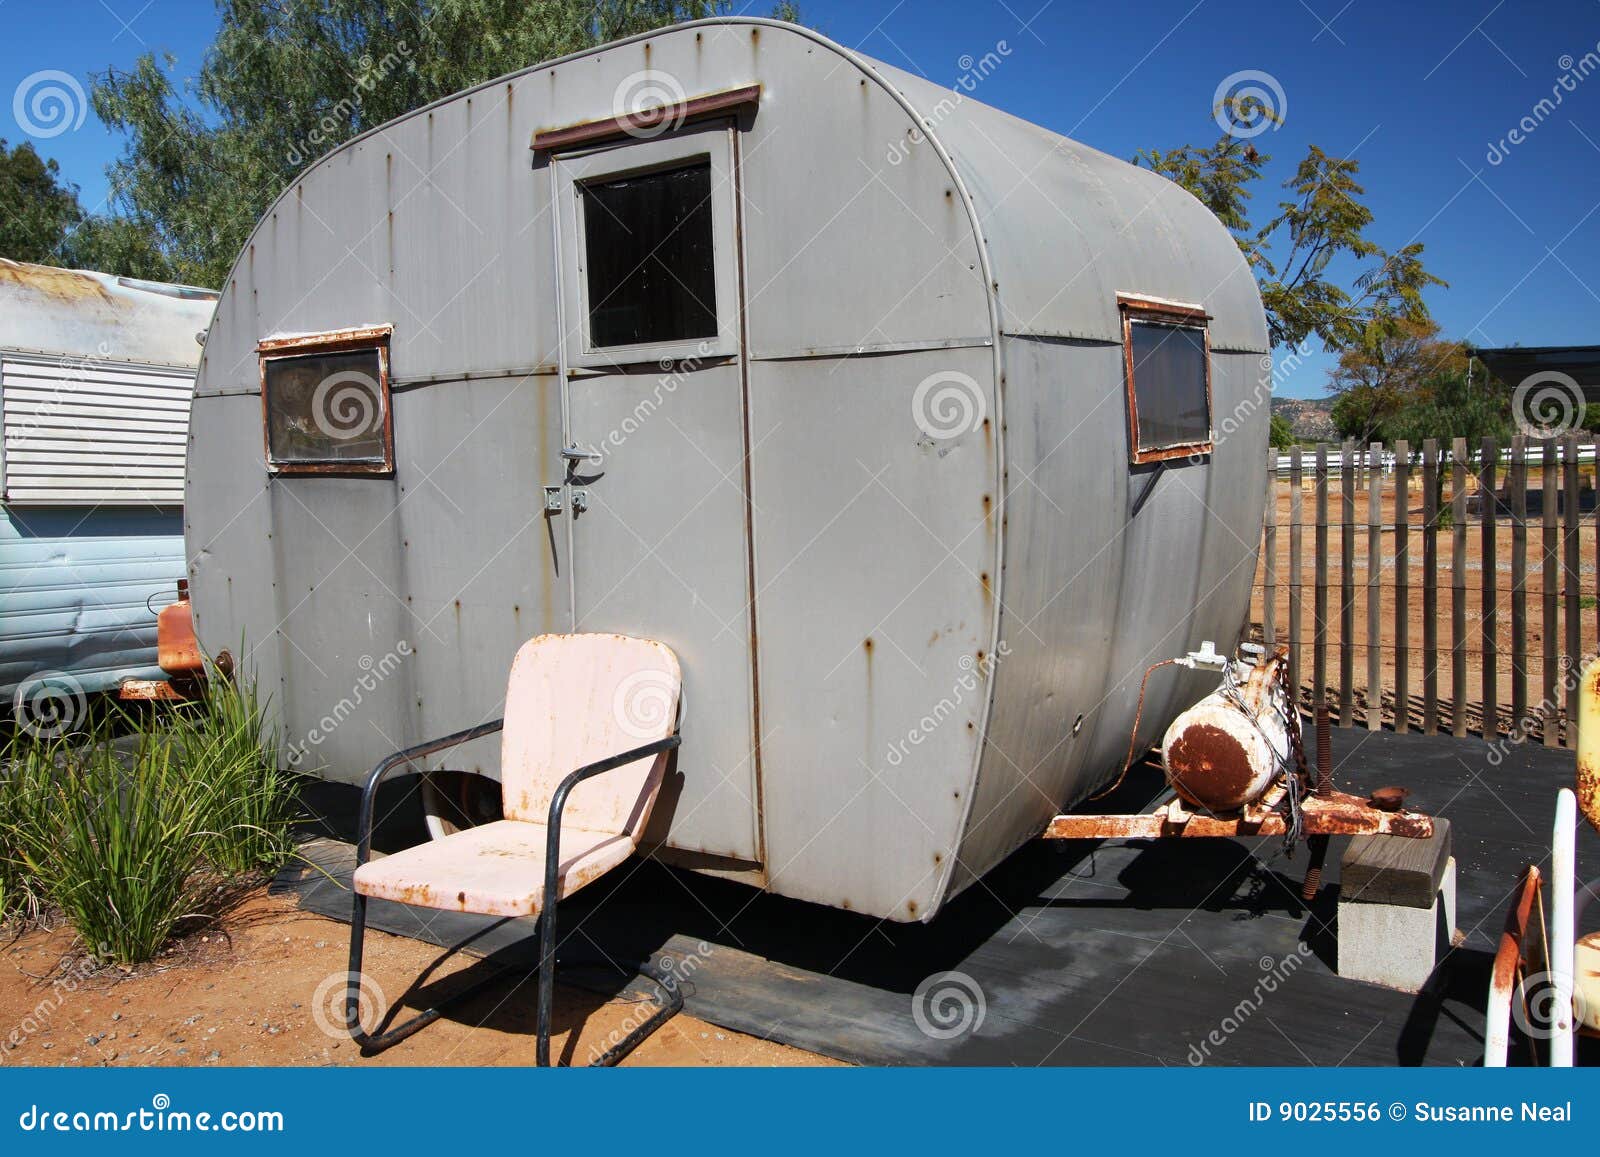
177, 649
1227, 750
1588, 784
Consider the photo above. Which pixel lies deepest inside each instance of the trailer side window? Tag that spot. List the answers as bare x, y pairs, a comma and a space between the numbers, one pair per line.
1167, 360
648, 257
325, 402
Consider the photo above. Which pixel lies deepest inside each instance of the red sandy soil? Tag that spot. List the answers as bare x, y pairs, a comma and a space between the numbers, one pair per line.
245, 993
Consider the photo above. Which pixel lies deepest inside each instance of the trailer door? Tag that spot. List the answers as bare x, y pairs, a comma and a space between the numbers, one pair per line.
655, 497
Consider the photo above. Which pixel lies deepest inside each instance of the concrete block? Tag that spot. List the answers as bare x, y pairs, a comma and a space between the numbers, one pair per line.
1394, 944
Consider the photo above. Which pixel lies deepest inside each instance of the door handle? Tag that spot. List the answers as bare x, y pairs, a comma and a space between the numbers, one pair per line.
578, 454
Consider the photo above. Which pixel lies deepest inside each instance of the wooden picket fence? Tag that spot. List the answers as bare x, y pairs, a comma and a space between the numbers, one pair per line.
1419, 571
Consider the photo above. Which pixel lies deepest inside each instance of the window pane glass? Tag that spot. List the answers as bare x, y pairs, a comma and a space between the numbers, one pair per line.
1169, 382
326, 408
648, 251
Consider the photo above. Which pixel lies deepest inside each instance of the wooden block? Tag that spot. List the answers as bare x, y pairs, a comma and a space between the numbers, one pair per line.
1395, 870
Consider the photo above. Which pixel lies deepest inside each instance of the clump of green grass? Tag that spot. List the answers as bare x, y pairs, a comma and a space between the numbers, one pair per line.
21, 896
112, 836
230, 753
129, 836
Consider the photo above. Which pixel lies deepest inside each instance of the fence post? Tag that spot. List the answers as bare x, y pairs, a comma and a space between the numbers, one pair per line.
1458, 588
1319, 645
1517, 481
1374, 587
1430, 586
1296, 563
1571, 501
1269, 555
1549, 585
1402, 585
1489, 502
1347, 579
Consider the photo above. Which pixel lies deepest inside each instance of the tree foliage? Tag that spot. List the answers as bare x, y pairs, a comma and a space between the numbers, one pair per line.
285, 81
39, 206
1319, 271
42, 221
1281, 433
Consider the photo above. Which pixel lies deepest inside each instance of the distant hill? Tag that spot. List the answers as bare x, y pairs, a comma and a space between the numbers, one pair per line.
1311, 419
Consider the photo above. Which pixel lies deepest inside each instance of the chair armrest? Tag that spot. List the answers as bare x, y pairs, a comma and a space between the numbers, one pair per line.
369, 794
558, 801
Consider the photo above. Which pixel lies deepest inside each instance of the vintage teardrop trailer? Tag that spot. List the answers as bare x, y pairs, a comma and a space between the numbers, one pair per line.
916, 431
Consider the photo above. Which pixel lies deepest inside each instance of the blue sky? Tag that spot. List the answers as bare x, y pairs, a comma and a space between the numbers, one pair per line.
1421, 93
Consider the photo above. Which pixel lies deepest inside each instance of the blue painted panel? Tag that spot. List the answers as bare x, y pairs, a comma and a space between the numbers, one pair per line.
73, 589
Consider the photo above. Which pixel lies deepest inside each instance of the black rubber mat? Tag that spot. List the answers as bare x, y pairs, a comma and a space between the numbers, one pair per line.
1074, 953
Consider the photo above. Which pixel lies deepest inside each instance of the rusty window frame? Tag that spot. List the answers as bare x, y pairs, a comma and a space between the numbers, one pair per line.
1137, 309
353, 340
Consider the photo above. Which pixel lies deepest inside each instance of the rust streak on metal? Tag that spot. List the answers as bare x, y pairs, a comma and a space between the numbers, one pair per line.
1334, 814
62, 284
1209, 768
651, 120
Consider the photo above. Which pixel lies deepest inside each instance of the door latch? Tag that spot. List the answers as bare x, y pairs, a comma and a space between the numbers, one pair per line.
552, 500
580, 501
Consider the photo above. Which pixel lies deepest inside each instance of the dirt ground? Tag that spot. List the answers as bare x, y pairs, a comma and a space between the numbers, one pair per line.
266, 988
1499, 575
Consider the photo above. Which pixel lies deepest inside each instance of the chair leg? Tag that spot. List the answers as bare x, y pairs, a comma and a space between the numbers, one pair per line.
369, 1043
547, 981
670, 1005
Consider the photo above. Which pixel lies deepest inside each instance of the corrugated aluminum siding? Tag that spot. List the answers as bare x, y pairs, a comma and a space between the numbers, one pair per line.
93, 432
75, 585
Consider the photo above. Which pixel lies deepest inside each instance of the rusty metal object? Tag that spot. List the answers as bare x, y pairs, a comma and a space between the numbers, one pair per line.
177, 649
1586, 984
1588, 784
1509, 966
648, 121
1317, 849
150, 689
1389, 798
1334, 813
1228, 749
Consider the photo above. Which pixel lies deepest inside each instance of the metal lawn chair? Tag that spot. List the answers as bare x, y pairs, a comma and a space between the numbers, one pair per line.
579, 708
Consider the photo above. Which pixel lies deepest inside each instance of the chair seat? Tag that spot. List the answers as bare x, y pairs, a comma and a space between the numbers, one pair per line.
496, 869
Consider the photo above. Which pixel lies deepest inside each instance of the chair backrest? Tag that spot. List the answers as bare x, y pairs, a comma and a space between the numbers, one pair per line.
577, 699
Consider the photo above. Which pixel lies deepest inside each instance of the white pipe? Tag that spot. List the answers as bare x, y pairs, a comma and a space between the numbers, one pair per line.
1563, 934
